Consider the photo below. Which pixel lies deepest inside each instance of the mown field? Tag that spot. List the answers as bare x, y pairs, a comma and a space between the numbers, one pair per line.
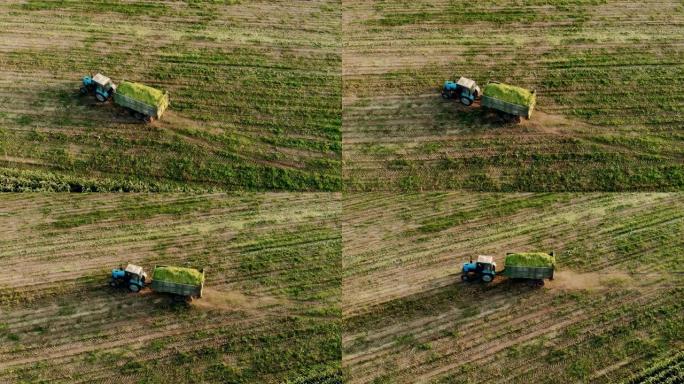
255, 89
609, 115
270, 311
614, 312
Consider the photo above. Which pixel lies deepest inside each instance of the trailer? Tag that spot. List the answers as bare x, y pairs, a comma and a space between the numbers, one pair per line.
180, 291
141, 109
509, 99
534, 275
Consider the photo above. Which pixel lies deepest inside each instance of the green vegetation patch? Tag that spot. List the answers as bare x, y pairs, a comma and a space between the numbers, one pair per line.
510, 94
530, 259
178, 275
141, 92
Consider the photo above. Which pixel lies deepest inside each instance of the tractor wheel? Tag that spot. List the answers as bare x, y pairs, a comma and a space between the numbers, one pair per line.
113, 283
445, 95
134, 287
466, 101
100, 98
83, 90
487, 278
465, 278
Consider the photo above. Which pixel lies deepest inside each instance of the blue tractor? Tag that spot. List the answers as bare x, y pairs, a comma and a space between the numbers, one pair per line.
133, 277
100, 85
484, 269
465, 90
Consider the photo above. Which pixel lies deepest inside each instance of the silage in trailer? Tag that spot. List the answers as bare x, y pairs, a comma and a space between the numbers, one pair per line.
178, 275
510, 94
530, 259
141, 92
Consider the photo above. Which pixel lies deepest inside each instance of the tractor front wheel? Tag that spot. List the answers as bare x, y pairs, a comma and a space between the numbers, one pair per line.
83, 90
466, 101
465, 278
113, 283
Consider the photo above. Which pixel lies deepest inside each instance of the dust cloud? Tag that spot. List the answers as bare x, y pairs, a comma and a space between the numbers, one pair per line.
591, 280
232, 301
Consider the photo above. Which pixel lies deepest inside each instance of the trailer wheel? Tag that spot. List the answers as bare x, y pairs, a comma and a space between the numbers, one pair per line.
539, 283
138, 115
148, 119
133, 287
466, 101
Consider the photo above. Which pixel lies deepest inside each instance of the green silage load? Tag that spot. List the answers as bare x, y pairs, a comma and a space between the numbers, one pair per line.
178, 275
530, 259
510, 94
141, 92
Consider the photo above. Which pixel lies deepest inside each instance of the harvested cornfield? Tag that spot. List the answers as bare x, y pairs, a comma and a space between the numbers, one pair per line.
270, 310
607, 73
614, 308
255, 90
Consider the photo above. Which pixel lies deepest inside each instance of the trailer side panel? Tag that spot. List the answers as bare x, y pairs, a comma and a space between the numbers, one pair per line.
528, 272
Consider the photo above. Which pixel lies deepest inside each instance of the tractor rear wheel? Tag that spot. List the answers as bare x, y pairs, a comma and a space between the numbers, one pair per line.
134, 287
487, 278
466, 101
100, 98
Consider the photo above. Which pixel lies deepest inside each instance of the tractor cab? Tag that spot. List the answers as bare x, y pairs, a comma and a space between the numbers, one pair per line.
483, 269
99, 84
466, 90
133, 276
